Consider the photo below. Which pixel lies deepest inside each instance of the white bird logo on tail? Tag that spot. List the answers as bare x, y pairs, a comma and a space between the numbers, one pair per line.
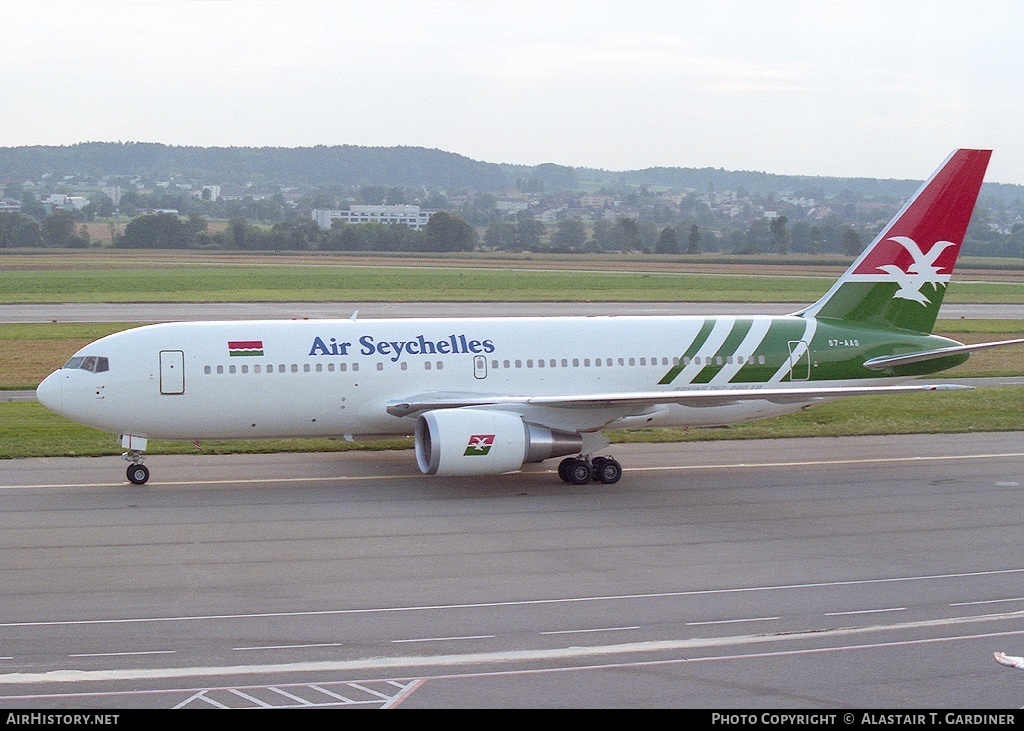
923, 271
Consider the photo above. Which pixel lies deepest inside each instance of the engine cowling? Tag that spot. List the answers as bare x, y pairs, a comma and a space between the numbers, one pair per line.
451, 442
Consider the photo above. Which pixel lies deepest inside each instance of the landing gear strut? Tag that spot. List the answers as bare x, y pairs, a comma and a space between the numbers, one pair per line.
581, 470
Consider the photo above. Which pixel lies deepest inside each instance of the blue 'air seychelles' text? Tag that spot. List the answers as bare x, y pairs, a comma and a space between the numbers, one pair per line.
452, 345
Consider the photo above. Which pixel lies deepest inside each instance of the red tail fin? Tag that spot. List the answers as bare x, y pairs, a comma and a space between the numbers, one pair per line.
901, 277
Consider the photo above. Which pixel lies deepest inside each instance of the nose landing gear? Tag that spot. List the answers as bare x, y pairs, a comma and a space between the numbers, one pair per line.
138, 473
581, 470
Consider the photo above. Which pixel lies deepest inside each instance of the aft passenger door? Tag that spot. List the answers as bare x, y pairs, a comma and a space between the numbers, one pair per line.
172, 372
799, 360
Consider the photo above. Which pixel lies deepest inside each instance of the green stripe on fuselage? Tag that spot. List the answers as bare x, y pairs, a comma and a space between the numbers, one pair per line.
695, 346
774, 348
722, 357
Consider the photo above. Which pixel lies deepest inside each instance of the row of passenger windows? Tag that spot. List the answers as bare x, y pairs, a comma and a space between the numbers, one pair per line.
282, 368
609, 362
495, 364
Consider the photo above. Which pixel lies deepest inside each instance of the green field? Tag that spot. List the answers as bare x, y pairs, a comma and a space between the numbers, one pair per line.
267, 283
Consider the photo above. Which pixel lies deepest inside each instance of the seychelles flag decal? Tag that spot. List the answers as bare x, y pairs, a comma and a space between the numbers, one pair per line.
245, 347
479, 445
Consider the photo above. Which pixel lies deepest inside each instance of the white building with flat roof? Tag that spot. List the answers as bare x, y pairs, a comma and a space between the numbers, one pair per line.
410, 216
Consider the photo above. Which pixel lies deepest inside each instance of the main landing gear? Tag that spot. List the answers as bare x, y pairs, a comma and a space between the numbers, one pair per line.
581, 470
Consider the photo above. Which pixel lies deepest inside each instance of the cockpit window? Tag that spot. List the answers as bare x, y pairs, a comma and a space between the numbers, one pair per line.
91, 363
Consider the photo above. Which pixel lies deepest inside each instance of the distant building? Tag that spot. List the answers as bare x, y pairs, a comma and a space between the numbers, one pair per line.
410, 216
114, 191
596, 200
507, 206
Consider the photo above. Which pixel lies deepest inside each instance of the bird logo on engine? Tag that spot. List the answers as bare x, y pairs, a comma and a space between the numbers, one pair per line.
479, 445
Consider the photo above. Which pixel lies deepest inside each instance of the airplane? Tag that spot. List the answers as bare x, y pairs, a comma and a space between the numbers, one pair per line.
486, 396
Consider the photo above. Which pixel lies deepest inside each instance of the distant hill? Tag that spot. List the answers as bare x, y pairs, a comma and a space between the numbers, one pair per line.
404, 166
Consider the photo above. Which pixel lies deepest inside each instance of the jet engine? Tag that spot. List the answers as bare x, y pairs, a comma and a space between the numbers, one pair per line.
484, 442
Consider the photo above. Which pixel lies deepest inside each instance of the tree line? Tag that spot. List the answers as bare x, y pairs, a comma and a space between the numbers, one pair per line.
449, 232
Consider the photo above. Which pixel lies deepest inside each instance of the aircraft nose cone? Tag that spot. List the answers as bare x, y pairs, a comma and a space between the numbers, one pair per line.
49, 392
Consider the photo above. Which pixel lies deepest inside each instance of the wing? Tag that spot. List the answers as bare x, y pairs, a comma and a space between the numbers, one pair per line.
628, 404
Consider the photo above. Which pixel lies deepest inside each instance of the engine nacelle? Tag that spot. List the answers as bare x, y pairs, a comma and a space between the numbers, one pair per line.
482, 442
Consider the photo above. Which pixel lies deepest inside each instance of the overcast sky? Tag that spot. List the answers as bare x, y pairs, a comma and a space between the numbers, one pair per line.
825, 87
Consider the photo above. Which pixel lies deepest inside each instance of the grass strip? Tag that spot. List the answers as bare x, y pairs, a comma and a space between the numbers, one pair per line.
430, 284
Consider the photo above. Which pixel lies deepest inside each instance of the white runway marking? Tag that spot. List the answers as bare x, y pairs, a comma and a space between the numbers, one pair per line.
585, 631
519, 603
446, 639
732, 621
566, 654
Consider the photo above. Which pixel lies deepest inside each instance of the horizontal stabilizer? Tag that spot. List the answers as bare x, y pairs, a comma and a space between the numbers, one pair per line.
891, 361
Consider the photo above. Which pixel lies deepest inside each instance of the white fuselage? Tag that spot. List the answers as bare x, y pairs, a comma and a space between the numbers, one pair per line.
304, 378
